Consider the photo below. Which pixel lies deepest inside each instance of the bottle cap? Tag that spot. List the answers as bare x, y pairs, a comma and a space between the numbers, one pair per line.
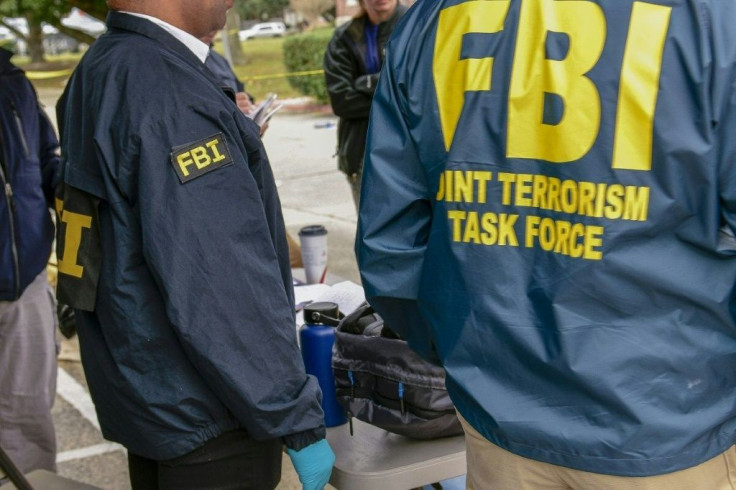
322, 312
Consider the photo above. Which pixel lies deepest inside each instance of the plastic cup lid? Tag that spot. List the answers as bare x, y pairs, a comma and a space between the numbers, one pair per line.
313, 230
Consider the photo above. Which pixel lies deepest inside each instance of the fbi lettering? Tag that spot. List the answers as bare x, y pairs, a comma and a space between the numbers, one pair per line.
196, 159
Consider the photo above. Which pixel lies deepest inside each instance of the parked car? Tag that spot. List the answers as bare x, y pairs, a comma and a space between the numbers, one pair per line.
265, 29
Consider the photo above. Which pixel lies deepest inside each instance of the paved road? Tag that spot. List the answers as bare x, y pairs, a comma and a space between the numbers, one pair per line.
312, 191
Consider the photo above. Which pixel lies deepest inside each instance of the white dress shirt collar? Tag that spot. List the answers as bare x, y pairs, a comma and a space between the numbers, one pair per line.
199, 48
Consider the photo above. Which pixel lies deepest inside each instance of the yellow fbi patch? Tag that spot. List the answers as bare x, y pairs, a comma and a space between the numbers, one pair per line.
195, 159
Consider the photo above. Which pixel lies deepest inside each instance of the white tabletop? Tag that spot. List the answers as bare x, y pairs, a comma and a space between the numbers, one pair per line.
373, 459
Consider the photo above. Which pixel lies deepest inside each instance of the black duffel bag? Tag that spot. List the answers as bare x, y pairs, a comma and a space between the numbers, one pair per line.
381, 381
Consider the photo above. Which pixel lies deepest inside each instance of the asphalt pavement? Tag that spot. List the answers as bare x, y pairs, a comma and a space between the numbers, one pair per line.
312, 191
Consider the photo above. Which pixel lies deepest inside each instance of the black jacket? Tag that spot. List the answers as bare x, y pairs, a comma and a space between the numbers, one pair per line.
351, 87
184, 301
28, 164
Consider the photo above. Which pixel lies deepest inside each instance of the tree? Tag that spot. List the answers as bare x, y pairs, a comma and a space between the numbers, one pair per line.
261, 9
312, 10
50, 11
231, 41
35, 12
95, 8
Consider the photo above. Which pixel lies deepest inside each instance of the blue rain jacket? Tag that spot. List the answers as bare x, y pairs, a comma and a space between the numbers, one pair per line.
173, 252
28, 164
548, 209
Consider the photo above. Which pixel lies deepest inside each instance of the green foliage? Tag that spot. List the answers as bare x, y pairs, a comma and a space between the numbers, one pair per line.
40, 10
263, 68
305, 52
95, 8
261, 9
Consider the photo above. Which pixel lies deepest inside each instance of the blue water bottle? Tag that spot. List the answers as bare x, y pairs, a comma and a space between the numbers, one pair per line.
316, 338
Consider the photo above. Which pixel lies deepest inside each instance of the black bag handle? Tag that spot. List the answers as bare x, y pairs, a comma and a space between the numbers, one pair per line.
365, 321
13, 472
350, 323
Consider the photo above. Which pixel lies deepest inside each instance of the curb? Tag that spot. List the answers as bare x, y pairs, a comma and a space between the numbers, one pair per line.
301, 105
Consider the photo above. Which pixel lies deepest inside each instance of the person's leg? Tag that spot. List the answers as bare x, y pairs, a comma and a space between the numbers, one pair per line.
230, 461
143, 472
493, 468
28, 382
718, 473
355, 181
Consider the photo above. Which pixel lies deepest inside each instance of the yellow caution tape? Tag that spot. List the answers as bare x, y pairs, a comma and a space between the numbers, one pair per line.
283, 75
43, 75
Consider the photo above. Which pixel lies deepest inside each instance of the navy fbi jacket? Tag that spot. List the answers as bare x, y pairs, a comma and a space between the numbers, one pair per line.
172, 250
28, 164
551, 199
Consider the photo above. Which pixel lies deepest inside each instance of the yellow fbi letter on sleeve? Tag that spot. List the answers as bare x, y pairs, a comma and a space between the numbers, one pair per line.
195, 159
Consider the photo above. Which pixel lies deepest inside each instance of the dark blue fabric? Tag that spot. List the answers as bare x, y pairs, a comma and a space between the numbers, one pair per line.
28, 162
372, 62
193, 332
223, 71
624, 365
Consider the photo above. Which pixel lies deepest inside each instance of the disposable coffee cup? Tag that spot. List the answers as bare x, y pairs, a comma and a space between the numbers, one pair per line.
313, 242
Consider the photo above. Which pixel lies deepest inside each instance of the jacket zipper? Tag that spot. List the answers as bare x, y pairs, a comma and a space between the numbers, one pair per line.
19, 123
11, 214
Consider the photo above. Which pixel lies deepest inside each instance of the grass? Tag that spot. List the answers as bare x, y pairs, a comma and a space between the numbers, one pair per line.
263, 71
264, 68
62, 63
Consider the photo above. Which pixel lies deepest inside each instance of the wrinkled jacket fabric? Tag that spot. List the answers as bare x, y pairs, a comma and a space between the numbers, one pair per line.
191, 330
344, 62
555, 224
28, 163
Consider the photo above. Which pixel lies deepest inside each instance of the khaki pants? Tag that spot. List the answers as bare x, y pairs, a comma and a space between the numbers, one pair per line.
493, 468
28, 376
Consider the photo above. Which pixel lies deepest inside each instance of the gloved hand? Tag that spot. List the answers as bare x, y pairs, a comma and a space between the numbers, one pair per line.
313, 464
67, 320
367, 83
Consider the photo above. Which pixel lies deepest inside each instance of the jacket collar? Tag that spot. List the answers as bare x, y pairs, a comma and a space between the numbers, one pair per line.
121, 21
126, 22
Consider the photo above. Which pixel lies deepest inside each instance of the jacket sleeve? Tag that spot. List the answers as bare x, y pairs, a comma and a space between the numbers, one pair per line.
48, 150
48, 156
341, 73
210, 245
394, 222
724, 107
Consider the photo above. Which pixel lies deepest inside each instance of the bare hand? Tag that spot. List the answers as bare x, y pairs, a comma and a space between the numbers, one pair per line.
244, 103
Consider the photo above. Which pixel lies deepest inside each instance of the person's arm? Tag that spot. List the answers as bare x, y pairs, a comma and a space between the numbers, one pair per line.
212, 245
394, 219
244, 103
48, 156
348, 96
724, 110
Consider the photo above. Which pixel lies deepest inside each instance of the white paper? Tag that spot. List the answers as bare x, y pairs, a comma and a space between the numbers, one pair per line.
261, 114
346, 294
308, 292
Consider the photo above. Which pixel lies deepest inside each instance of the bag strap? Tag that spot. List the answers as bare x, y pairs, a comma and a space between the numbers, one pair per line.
350, 323
13, 472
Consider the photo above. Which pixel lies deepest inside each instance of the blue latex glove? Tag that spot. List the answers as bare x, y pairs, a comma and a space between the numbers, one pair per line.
313, 464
